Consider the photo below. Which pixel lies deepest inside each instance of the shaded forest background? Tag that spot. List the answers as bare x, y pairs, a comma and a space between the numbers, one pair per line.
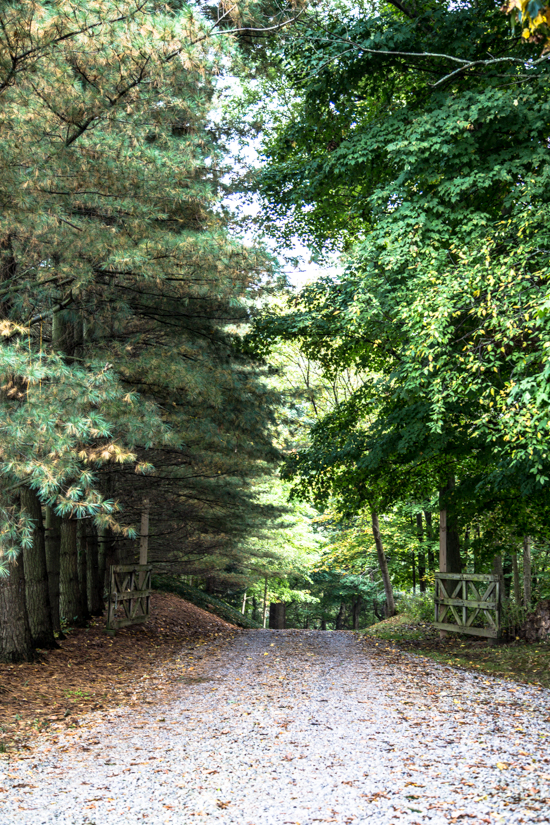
155, 359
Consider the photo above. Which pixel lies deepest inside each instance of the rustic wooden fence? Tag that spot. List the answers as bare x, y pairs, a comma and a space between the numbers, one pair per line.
468, 603
129, 595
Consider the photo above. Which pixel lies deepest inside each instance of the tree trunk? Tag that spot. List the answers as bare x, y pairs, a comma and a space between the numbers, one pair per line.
430, 537
515, 579
144, 532
82, 564
421, 555
383, 564
243, 608
449, 552
264, 617
339, 624
323, 624
527, 572
465, 548
356, 612
66, 335
37, 591
15, 633
413, 564
498, 571
70, 599
255, 611
507, 573
277, 611
376, 610
93, 588
53, 539
102, 542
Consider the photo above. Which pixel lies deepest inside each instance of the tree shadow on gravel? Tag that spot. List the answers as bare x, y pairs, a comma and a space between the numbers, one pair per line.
93, 672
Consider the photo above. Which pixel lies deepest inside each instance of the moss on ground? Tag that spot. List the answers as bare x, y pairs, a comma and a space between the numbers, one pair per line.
513, 660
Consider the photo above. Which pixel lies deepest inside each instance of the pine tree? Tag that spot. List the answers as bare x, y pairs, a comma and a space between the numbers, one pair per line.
121, 294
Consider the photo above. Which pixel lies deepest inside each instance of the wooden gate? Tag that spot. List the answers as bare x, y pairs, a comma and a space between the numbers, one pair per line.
129, 595
468, 603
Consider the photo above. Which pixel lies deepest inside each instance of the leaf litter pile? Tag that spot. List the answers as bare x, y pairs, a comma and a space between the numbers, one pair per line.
92, 672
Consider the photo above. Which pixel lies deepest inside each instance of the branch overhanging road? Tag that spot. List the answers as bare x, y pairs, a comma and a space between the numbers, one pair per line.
300, 727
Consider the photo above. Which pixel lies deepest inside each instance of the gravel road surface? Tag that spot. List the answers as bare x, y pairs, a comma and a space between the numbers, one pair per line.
299, 727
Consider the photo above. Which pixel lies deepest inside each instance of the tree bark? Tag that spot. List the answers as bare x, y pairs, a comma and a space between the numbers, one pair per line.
277, 615
15, 633
339, 624
356, 612
323, 624
527, 572
498, 571
70, 598
102, 541
82, 565
94, 588
430, 537
515, 578
264, 617
66, 335
37, 591
383, 564
144, 532
53, 540
421, 554
449, 557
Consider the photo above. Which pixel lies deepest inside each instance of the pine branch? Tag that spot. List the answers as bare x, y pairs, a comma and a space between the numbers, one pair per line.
36, 319
18, 59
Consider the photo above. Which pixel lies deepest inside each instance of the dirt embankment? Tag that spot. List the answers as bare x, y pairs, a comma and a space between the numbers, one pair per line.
91, 671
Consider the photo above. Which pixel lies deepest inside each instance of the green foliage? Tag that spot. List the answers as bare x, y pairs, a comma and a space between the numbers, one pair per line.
431, 174
122, 293
420, 606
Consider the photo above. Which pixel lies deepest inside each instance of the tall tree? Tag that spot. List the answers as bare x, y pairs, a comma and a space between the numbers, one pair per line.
53, 560
121, 289
16, 643
416, 141
37, 592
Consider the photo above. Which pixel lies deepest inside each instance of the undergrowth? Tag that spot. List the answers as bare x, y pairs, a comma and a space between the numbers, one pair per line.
513, 660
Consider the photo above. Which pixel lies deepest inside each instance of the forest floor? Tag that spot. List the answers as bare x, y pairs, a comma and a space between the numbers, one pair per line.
92, 672
514, 660
297, 727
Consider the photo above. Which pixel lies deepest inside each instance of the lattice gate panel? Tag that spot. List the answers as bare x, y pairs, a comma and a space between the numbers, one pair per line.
468, 603
129, 595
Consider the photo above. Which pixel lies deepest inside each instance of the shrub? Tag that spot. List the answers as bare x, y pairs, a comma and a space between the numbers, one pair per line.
418, 605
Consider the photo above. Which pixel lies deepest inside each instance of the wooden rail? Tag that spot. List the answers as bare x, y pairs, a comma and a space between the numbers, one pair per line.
468, 603
129, 595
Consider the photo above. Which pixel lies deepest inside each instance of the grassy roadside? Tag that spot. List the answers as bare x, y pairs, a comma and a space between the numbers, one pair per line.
517, 660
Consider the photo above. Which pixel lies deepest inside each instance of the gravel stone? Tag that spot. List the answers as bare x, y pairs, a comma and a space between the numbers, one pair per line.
299, 727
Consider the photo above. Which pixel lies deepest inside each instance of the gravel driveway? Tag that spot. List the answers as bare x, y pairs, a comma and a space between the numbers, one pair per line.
299, 727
